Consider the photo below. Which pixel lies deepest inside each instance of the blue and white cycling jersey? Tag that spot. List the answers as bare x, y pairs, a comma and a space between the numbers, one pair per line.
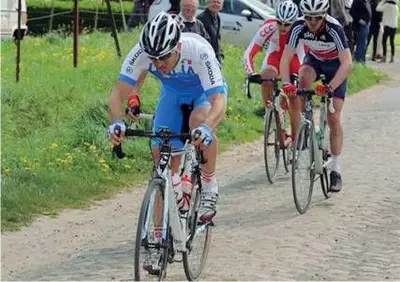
197, 71
324, 46
196, 76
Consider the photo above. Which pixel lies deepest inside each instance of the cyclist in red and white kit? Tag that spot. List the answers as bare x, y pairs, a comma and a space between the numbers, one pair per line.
274, 32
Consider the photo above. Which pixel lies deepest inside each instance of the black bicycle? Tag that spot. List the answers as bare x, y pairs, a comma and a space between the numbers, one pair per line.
161, 226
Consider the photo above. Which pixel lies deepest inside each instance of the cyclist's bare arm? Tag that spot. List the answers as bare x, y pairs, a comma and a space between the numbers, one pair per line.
284, 66
119, 93
217, 110
343, 71
139, 83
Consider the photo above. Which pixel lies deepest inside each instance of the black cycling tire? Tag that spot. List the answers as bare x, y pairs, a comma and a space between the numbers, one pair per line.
156, 184
285, 160
192, 224
303, 131
270, 168
325, 177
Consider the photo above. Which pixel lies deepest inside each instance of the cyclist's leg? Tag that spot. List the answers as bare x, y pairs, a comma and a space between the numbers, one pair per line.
334, 122
168, 114
270, 69
308, 72
294, 68
209, 194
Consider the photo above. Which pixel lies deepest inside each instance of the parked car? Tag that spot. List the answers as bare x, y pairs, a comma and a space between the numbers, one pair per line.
240, 19
9, 19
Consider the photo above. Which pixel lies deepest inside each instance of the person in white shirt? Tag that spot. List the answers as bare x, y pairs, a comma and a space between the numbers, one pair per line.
390, 13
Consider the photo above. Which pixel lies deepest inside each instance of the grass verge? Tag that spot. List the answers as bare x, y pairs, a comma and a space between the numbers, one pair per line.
55, 152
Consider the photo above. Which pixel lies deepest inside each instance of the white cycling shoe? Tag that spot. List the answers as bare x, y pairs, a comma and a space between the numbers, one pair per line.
208, 201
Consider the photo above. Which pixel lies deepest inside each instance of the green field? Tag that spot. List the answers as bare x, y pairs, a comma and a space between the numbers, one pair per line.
55, 151
83, 4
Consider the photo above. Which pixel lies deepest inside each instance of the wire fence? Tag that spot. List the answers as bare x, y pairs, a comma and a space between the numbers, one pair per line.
42, 21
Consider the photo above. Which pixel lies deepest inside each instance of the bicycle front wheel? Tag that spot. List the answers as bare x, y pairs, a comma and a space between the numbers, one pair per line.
149, 244
199, 236
271, 144
302, 168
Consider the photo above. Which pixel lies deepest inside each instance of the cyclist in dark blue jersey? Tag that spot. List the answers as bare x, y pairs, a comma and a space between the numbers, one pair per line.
328, 53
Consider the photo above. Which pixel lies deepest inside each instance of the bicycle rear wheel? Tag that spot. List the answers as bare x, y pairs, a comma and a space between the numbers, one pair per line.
325, 177
302, 168
199, 235
148, 238
271, 144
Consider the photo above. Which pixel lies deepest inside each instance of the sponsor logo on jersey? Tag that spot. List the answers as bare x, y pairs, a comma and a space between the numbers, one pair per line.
267, 30
203, 56
309, 35
135, 56
129, 70
210, 72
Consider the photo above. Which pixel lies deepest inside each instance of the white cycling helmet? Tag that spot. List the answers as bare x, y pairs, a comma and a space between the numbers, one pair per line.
160, 35
287, 11
314, 7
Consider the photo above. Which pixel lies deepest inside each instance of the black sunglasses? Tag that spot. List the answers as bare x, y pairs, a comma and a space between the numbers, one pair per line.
284, 24
316, 18
160, 58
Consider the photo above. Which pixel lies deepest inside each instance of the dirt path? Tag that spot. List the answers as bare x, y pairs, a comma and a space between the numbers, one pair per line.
259, 235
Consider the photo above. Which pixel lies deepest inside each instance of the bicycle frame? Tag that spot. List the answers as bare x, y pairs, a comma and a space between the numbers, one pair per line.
308, 117
170, 209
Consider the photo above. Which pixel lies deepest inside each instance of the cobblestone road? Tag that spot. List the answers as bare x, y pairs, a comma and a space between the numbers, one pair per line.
259, 235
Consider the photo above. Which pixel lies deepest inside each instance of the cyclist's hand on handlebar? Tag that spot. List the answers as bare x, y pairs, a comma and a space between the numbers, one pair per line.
289, 89
116, 131
322, 89
202, 135
133, 109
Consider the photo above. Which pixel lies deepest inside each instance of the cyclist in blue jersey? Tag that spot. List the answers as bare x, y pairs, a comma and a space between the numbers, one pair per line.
329, 54
189, 72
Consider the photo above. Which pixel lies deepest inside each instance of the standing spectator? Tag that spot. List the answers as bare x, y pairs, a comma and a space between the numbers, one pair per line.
138, 14
374, 28
157, 6
337, 9
390, 13
361, 13
348, 29
212, 22
191, 24
379, 47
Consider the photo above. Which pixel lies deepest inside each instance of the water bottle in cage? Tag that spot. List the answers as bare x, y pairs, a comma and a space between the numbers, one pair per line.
186, 178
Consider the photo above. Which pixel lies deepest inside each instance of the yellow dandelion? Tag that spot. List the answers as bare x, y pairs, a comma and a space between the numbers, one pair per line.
53, 146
